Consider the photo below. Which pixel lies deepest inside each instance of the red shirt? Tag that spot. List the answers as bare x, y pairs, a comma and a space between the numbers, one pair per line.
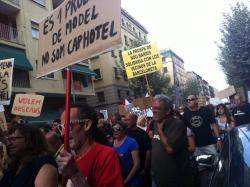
101, 166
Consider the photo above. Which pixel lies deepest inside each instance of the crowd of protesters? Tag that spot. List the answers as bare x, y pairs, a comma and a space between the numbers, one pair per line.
129, 150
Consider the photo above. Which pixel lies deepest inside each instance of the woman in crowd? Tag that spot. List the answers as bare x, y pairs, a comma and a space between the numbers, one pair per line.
31, 163
224, 120
3, 154
127, 148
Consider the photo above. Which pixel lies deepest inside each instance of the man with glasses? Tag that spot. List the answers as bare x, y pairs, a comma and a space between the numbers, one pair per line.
94, 164
200, 120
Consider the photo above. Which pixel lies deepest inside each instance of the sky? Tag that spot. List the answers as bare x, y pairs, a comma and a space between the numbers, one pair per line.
191, 28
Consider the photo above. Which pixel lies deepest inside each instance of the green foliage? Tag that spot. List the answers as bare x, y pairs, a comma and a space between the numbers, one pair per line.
191, 88
234, 56
159, 83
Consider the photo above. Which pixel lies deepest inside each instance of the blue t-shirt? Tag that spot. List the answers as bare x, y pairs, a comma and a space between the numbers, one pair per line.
125, 155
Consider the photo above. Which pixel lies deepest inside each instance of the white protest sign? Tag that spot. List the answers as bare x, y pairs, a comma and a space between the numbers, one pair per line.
3, 124
77, 30
6, 73
27, 105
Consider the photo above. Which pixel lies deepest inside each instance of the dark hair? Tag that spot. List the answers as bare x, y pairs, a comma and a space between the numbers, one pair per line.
36, 144
100, 115
225, 111
117, 116
86, 111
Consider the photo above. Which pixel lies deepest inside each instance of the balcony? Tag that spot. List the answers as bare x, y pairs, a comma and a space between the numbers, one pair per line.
9, 7
16, 2
11, 34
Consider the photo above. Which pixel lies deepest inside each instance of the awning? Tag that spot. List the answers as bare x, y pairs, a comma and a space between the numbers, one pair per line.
82, 70
20, 62
47, 117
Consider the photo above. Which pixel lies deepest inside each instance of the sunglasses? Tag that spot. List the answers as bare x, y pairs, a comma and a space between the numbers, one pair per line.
192, 99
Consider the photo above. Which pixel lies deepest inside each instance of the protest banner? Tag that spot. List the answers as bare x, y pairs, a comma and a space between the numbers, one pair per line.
226, 92
3, 124
143, 103
142, 60
27, 105
76, 31
6, 73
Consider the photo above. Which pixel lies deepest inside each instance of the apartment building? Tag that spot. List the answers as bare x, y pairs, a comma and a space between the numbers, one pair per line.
174, 66
19, 35
111, 83
205, 89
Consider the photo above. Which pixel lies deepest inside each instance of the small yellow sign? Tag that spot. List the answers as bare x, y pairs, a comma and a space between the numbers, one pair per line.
142, 60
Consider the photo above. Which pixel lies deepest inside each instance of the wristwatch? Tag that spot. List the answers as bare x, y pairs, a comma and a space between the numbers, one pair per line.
218, 139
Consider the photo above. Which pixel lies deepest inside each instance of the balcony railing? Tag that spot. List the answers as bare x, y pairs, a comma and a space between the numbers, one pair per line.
15, 2
11, 34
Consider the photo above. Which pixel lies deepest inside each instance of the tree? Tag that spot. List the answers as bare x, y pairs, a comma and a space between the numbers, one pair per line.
234, 55
158, 81
192, 87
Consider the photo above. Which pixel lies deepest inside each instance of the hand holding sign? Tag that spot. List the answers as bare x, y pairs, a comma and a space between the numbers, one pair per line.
6, 71
27, 105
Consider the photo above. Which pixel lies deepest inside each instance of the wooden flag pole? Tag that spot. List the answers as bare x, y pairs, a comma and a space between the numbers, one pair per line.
67, 116
149, 91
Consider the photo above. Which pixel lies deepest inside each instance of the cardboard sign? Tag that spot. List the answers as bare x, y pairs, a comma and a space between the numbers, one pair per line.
77, 30
3, 124
226, 92
142, 60
27, 105
143, 103
6, 73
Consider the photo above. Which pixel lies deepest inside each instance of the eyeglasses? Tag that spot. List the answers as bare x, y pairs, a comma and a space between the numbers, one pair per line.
192, 99
14, 138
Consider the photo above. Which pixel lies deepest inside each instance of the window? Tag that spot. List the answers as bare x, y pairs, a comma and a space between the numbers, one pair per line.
123, 23
49, 76
113, 54
117, 73
124, 75
40, 2
126, 40
145, 38
34, 30
119, 94
127, 93
100, 96
21, 78
131, 42
139, 34
98, 74
133, 29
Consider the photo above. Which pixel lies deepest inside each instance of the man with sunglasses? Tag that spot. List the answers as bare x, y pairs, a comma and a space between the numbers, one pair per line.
200, 120
94, 165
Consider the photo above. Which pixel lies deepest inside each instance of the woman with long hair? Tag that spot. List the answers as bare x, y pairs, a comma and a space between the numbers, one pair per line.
127, 148
224, 120
31, 165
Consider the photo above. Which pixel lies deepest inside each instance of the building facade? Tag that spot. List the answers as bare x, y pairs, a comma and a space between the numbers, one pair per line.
205, 89
111, 83
174, 66
19, 35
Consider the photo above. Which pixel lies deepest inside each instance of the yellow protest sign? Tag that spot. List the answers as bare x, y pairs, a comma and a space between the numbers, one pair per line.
6, 72
142, 60
77, 30
27, 105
